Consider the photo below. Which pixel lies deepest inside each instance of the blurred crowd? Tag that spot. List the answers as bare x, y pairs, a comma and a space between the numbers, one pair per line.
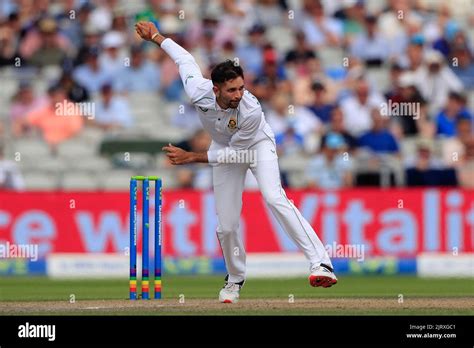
365, 93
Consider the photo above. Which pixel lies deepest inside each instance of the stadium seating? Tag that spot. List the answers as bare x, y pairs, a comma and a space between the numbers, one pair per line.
116, 179
80, 180
31, 147
41, 180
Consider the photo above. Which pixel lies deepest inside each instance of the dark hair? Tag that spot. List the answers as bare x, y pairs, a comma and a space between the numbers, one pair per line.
226, 71
318, 86
459, 97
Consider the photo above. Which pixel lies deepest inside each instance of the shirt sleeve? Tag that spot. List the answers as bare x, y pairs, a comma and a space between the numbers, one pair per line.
240, 142
189, 71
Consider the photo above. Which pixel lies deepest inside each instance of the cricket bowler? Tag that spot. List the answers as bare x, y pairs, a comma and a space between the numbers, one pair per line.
234, 119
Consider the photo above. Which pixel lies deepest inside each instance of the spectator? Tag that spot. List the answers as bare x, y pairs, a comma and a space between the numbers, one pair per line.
102, 14
154, 11
336, 125
424, 169
352, 13
207, 24
24, 102
449, 32
271, 79
320, 30
112, 59
379, 139
320, 107
377, 153
171, 83
464, 67
396, 22
289, 142
282, 114
91, 75
394, 88
411, 117
56, 125
27, 15
10, 174
74, 91
454, 111
296, 59
251, 53
371, 47
270, 13
112, 111
460, 39
439, 30
465, 129
9, 40
172, 26
45, 45
412, 58
120, 25
434, 80
234, 18
73, 28
348, 76
453, 148
306, 76
205, 53
228, 51
142, 75
357, 108
91, 41
330, 169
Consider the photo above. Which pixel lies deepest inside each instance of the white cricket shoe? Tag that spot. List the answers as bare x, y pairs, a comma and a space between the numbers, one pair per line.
230, 292
322, 275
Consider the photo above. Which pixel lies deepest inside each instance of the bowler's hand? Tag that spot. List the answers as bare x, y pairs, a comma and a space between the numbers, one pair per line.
177, 155
146, 30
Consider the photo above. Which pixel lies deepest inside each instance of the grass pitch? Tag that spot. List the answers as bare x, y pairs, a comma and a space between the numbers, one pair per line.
197, 295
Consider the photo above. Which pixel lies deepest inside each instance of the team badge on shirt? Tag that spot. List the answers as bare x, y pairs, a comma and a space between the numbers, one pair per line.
232, 123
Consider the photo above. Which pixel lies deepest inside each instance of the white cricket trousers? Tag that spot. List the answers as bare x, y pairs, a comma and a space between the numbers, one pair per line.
228, 182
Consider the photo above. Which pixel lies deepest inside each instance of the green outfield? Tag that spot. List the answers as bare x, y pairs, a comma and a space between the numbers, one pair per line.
195, 295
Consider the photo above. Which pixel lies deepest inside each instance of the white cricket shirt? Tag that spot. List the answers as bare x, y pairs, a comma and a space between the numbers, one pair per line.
231, 130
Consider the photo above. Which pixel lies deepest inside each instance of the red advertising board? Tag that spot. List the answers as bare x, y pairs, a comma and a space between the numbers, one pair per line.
387, 222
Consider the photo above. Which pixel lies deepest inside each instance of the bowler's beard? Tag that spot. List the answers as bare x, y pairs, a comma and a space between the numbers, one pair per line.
227, 105
234, 105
